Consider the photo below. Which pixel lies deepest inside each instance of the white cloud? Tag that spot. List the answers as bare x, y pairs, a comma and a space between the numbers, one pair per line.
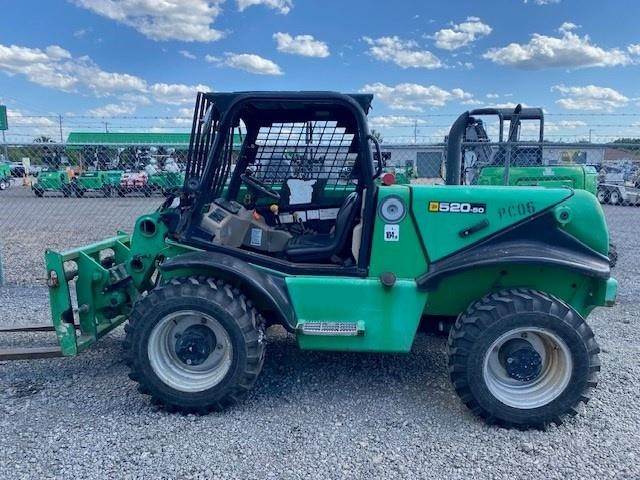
634, 49
304, 45
567, 27
415, 97
568, 51
41, 67
187, 54
542, 2
55, 67
492, 95
24, 124
590, 97
113, 110
176, 93
404, 53
184, 20
252, 63
391, 121
282, 6
212, 59
462, 34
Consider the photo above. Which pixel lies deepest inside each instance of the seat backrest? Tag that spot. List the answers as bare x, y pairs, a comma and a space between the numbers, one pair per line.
344, 220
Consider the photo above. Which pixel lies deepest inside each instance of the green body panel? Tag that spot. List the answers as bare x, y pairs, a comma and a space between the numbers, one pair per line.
52, 179
390, 316
166, 180
505, 206
587, 221
455, 293
99, 179
406, 257
5, 171
574, 176
92, 180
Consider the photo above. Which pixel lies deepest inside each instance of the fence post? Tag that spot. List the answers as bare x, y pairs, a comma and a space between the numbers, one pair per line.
1, 270
507, 164
4, 143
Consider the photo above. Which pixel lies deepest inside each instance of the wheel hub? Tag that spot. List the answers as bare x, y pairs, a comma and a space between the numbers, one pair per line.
195, 345
520, 360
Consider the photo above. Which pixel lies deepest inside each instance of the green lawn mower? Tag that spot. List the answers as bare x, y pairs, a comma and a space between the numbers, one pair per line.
341, 262
5, 176
101, 181
53, 181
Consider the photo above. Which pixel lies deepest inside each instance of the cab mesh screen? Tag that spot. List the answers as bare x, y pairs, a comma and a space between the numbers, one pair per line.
317, 150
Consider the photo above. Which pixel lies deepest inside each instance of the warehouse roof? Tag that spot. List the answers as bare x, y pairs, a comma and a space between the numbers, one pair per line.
133, 138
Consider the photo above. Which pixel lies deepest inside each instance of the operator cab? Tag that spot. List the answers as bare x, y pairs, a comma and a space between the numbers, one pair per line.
283, 176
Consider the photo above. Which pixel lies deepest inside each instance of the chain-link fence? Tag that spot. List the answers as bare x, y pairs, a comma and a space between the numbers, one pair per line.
64, 195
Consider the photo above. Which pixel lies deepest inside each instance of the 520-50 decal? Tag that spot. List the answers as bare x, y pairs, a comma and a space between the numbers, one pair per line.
457, 207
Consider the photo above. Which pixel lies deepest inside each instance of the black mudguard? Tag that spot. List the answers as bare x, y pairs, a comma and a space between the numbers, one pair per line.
520, 252
268, 292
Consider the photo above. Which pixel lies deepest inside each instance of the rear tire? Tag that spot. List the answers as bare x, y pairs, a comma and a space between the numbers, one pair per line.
613, 255
3, 184
107, 191
521, 358
38, 192
195, 345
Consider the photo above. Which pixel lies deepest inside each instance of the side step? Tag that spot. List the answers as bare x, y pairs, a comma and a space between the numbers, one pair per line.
334, 329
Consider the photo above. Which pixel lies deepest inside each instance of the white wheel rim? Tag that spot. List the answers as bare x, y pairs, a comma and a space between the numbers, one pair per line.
554, 376
165, 357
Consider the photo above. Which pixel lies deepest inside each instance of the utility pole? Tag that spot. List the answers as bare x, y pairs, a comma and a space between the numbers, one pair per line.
106, 127
60, 124
415, 131
590, 132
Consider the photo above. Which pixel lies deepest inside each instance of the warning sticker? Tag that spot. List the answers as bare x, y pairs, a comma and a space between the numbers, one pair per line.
256, 237
392, 233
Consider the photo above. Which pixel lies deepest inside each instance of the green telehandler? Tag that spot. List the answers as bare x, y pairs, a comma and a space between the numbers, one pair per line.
252, 241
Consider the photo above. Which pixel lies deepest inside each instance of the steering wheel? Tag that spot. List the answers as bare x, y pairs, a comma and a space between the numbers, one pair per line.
259, 187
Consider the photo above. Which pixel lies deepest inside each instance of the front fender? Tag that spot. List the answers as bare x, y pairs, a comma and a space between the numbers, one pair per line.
267, 291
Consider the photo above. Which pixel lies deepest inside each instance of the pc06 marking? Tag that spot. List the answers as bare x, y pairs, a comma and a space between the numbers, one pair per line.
457, 207
517, 210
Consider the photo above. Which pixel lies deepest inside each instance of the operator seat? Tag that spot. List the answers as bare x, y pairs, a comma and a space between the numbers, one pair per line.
322, 246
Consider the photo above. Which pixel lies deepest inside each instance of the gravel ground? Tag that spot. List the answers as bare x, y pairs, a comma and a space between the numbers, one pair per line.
310, 415
29, 224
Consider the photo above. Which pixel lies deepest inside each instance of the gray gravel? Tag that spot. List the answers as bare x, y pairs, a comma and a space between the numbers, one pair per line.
313, 415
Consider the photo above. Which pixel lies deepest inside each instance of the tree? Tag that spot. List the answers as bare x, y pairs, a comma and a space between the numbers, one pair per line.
377, 135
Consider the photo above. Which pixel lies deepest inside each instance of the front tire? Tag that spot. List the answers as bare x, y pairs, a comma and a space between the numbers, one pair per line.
3, 184
521, 358
195, 345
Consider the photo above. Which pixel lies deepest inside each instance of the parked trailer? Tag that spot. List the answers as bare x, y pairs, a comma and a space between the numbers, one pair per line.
617, 194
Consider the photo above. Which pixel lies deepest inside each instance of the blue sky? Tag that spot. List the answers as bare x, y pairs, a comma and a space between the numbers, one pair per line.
426, 61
